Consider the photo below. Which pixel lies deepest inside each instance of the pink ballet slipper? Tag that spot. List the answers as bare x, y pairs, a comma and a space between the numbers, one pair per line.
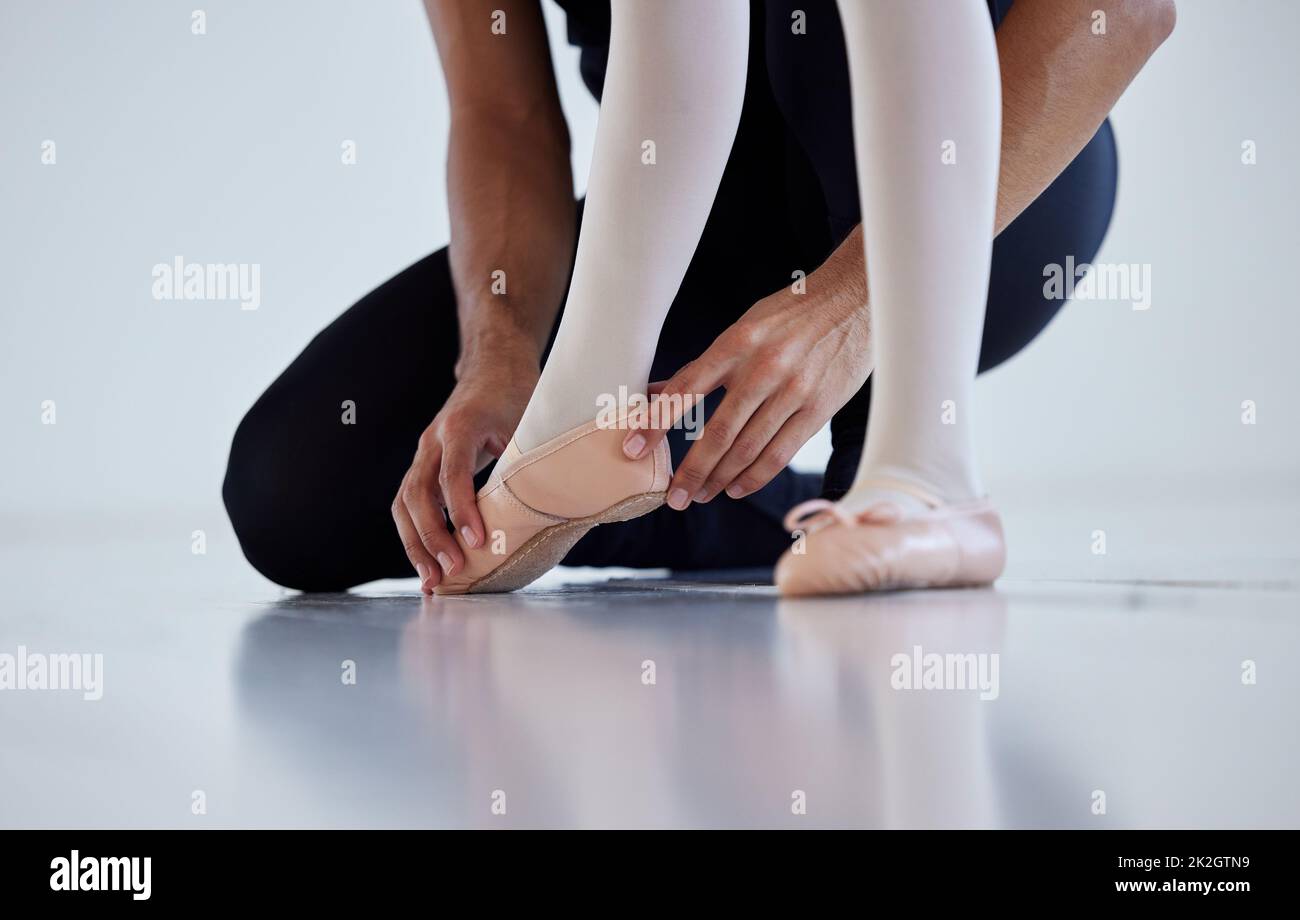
537, 505
885, 548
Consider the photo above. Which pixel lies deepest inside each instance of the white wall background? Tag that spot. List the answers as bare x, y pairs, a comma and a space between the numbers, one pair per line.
225, 147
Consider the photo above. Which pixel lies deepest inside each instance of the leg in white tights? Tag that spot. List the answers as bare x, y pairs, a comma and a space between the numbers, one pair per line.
668, 117
927, 126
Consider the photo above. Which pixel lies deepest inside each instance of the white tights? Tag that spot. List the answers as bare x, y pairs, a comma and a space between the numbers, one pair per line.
668, 115
927, 128
927, 119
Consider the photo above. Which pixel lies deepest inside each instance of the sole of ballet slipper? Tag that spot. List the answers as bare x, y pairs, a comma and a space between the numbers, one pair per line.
785, 591
545, 550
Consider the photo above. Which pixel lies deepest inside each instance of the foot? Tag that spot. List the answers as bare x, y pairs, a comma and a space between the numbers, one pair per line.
538, 504
914, 541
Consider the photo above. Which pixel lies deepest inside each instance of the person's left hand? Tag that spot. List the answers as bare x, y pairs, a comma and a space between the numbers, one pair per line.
788, 365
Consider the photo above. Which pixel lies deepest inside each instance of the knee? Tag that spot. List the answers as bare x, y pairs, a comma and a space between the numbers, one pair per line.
265, 491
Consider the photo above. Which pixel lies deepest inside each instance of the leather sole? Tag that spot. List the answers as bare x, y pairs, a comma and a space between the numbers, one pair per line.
548, 547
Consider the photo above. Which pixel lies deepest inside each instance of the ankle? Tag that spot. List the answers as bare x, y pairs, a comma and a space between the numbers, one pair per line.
910, 489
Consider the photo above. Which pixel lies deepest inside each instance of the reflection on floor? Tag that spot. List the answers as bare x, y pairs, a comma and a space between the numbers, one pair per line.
1146, 696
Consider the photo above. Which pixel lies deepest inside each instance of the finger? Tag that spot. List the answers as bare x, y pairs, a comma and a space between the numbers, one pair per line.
456, 479
749, 445
780, 450
720, 434
424, 505
425, 566
675, 397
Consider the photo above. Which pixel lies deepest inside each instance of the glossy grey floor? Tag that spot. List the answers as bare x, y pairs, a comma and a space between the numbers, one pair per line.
1153, 685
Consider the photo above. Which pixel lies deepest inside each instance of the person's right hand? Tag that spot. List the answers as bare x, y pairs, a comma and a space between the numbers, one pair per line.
474, 426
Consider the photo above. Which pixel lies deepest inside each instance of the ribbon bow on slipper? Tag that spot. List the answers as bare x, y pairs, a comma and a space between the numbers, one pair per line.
817, 513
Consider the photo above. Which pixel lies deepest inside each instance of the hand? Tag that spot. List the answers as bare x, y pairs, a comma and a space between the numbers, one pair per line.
474, 426
787, 365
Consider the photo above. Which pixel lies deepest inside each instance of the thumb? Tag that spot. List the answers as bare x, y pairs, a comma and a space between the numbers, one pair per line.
457, 481
670, 400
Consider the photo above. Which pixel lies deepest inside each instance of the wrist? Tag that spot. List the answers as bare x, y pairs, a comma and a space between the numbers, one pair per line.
503, 349
841, 281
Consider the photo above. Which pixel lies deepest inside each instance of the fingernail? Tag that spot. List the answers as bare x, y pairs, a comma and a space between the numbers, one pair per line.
701, 496
445, 561
735, 491
471, 538
678, 499
423, 571
633, 446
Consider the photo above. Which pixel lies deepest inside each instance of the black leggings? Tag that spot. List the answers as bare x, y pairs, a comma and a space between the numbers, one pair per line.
309, 497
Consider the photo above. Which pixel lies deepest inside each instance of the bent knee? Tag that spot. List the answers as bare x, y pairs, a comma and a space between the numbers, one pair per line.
269, 496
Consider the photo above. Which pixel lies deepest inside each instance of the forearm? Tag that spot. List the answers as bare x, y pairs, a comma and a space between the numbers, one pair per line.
510, 194
509, 186
1059, 81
